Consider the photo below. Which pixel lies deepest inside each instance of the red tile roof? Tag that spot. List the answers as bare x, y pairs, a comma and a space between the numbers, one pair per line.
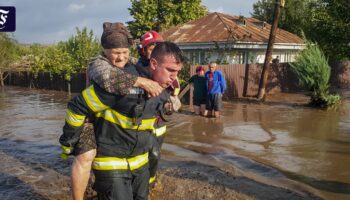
219, 27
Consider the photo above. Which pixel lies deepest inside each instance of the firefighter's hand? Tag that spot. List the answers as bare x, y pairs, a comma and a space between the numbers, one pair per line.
66, 152
153, 88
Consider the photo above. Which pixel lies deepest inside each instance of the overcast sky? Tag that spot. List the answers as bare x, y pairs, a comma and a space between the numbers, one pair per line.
50, 21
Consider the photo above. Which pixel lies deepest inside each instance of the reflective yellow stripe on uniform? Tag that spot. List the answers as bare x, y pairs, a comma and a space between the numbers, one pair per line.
152, 179
74, 119
114, 163
159, 131
176, 92
138, 161
92, 100
126, 122
66, 150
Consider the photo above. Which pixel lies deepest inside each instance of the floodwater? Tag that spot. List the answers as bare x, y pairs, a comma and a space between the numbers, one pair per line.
281, 143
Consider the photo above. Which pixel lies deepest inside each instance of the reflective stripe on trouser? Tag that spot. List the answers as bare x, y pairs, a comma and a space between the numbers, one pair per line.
114, 163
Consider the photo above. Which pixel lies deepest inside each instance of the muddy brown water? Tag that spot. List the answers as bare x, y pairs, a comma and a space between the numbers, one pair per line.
281, 143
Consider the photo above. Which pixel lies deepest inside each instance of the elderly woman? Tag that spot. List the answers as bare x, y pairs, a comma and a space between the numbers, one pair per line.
200, 91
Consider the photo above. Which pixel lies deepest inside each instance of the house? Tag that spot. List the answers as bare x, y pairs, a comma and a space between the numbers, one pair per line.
230, 39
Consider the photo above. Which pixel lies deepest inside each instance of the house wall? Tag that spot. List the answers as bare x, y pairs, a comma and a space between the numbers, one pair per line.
243, 56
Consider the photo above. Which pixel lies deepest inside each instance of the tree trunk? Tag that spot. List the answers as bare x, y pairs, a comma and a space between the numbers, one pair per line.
68, 85
265, 73
2, 78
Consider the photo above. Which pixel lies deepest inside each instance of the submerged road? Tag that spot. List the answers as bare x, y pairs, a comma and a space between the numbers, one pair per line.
279, 143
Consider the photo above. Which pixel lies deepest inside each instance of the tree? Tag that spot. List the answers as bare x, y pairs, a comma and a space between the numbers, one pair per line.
294, 16
66, 57
313, 72
159, 15
326, 22
81, 47
330, 27
8, 54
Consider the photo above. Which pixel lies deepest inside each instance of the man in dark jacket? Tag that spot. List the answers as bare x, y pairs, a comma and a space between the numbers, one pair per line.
124, 128
107, 71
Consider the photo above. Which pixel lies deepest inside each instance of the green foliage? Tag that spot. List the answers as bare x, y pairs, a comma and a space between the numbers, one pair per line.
81, 47
159, 15
263, 10
294, 16
8, 51
330, 27
313, 71
325, 21
184, 74
66, 57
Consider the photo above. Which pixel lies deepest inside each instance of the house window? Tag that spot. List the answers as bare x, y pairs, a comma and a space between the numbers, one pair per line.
202, 58
252, 57
286, 57
196, 57
237, 58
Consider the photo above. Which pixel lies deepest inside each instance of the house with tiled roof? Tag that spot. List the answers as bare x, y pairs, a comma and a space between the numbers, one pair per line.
231, 40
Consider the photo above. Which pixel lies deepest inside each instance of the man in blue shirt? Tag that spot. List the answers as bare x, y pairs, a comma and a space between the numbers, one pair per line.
216, 85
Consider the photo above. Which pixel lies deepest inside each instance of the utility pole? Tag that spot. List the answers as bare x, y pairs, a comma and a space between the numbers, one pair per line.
265, 73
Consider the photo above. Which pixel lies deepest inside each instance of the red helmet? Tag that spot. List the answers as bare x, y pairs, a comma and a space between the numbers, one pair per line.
149, 38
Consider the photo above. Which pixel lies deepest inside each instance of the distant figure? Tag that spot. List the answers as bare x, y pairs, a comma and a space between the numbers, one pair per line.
276, 60
200, 91
216, 86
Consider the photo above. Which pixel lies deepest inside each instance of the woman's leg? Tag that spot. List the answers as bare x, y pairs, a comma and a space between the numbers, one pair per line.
80, 173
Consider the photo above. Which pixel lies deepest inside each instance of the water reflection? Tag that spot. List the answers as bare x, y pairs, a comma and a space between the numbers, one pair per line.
304, 144
307, 145
32, 115
207, 131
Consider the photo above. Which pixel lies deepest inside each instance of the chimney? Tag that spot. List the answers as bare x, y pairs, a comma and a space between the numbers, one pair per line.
241, 20
263, 25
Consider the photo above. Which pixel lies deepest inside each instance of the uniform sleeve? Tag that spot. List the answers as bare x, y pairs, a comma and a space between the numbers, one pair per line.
77, 111
111, 79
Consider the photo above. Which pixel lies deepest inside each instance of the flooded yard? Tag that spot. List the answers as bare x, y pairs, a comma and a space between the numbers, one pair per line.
277, 150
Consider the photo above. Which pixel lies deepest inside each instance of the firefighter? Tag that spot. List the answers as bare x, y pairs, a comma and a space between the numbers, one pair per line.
106, 70
124, 127
147, 43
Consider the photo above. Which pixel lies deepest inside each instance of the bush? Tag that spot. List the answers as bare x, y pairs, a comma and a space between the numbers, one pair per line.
313, 72
184, 74
66, 57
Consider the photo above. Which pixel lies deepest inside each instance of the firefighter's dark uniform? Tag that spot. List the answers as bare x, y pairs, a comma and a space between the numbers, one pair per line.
124, 128
159, 130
